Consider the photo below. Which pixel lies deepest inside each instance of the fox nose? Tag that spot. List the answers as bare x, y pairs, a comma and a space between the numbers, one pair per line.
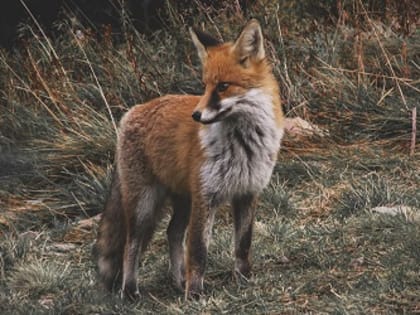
196, 115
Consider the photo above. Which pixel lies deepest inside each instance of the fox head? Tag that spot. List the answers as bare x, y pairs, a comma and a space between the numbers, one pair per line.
230, 70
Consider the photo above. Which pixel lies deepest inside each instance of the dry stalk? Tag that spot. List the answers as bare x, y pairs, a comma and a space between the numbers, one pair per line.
55, 55
405, 81
27, 89
286, 70
359, 48
200, 5
359, 56
53, 98
413, 130
381, 46
132, 59
101, 91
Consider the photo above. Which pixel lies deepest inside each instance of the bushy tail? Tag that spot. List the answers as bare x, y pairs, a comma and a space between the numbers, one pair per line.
111, 238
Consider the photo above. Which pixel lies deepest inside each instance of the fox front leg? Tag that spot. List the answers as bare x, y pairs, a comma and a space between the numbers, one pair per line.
243, 208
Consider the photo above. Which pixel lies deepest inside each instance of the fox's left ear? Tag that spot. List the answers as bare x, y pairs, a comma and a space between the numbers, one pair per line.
202, 41
250, 44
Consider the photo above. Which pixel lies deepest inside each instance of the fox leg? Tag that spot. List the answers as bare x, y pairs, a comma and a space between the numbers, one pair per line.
243, 209
198, 239
141, 223
176, 234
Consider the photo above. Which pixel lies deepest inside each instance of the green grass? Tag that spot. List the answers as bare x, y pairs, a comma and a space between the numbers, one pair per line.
318, 246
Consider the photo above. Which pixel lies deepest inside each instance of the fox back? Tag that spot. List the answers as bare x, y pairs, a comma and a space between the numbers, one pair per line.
198, 151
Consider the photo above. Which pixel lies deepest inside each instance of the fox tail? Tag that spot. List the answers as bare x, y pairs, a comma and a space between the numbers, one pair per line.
111, 238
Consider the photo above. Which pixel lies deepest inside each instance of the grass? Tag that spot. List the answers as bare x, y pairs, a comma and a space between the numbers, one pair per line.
318, 246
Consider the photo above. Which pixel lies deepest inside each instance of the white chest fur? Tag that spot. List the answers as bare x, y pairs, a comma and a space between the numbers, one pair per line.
240, 150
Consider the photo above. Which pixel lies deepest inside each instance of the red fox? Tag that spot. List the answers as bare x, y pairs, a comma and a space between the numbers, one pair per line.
197, 151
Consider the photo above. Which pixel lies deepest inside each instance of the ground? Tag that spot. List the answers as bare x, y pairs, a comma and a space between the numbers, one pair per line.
337, 230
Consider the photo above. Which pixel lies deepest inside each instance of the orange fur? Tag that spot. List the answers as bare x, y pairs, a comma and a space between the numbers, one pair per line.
162, 152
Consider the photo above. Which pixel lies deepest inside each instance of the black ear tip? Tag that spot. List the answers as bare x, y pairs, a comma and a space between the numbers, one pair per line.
206, 39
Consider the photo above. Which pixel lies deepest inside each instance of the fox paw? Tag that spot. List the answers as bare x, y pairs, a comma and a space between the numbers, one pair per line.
242, 272
130, 292
194, 289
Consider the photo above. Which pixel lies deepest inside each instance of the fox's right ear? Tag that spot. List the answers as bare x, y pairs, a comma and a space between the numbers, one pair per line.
202, 41
250, 43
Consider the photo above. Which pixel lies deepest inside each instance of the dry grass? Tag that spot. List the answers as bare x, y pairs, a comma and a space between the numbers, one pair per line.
318, 247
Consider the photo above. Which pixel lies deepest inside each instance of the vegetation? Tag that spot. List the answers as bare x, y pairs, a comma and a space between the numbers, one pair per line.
319, 246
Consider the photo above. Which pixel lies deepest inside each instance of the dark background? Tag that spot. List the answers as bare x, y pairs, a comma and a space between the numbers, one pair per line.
150, 15
146, 15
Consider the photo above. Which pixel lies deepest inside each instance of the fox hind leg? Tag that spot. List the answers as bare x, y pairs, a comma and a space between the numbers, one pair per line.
176, 234
140, 227
198, 239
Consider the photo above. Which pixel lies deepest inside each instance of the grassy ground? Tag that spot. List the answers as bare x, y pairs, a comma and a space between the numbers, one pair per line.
319, 245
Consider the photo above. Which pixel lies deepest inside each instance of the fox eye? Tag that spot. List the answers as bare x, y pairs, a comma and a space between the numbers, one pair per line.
222, 86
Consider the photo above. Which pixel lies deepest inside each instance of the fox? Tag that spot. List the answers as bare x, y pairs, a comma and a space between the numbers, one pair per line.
197, 151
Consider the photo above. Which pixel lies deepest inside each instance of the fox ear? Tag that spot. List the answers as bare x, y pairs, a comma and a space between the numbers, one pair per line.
250, 43
202, 41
